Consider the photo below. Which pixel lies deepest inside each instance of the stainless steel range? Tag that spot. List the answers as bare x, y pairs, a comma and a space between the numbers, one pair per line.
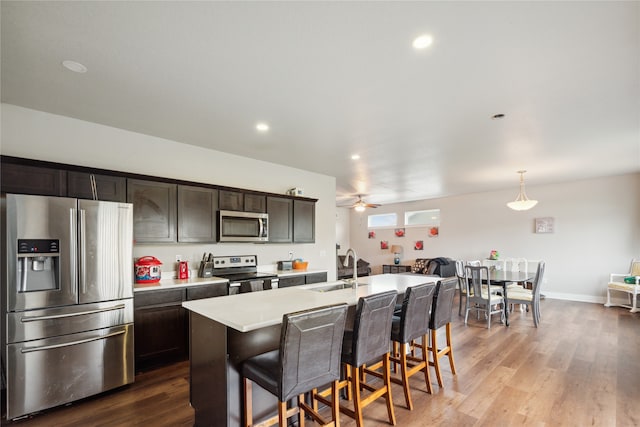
242, 273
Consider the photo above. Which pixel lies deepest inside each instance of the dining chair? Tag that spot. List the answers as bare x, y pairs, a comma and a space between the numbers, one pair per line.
480, 295
529, 297
461, 275
367, 342
628, 283
308, 358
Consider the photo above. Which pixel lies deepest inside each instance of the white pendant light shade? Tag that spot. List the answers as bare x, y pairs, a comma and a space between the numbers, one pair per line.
522, 202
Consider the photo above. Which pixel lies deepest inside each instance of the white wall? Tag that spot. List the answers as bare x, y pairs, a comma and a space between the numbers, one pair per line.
597, 232
342, 229
42, 136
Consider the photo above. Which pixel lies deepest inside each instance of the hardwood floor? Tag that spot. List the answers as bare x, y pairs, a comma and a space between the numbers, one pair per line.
580, 367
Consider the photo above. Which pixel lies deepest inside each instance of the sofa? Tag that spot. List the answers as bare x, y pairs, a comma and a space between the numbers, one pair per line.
443, 267
347, 272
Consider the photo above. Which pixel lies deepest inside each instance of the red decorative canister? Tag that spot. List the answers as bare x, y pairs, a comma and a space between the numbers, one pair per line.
183, 270
148, 270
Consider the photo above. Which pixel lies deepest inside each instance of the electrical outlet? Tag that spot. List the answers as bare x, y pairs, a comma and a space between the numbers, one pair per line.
178, 258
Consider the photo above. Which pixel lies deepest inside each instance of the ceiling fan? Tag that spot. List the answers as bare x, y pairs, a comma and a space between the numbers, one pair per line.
361, 205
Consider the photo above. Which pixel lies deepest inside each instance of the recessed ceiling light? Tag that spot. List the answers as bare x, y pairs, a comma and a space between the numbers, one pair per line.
74, 66
262, 127
355, 156
422, 42
497, 116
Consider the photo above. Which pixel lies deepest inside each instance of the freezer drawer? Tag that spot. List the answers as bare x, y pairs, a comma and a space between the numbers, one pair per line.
50, 372
52, 322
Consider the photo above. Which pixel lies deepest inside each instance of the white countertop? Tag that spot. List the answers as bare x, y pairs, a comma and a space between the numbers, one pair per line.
177, 283
255, 310
197, 281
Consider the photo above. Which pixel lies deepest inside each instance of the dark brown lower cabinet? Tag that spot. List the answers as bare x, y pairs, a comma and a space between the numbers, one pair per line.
285, 282
161, 325
315, 277
302, 279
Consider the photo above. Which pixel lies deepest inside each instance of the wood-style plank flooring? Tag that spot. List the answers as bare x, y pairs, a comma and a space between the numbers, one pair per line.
581, 367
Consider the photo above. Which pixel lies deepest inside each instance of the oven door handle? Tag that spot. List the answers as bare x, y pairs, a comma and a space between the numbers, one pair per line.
27, 319
67, 344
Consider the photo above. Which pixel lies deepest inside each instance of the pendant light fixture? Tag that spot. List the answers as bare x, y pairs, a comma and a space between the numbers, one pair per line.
522, 202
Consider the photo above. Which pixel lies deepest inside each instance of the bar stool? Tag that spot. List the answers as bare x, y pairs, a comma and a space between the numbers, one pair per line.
368, 341
412, 323
308, 358
441, 316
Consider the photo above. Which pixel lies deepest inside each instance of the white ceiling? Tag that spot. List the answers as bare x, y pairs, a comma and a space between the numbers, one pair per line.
337, 78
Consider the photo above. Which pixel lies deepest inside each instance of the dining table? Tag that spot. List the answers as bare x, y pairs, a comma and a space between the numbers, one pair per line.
503, 278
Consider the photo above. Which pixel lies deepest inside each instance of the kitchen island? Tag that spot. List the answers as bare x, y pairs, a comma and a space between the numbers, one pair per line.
225, 331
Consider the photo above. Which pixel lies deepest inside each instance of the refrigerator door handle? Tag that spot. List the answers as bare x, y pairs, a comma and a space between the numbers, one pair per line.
67, 344
23, 264
27, 319
73, 238
82, 258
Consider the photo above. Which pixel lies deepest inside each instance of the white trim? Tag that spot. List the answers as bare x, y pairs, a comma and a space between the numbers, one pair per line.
574, 297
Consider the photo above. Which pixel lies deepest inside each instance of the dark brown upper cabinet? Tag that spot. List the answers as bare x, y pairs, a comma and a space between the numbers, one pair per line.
231, 200
154, 210
109, 188
255, 203
197, 209
280, 212
304, 221
25, 179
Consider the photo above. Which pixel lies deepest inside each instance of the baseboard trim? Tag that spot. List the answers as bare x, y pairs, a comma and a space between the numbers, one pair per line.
575, 297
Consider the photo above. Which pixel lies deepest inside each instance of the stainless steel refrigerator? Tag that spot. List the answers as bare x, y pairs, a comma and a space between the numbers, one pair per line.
67, 300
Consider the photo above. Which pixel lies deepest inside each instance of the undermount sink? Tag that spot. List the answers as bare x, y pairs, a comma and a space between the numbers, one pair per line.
345, 284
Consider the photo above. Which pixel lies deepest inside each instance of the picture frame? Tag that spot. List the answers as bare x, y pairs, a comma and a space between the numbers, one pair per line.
544, 225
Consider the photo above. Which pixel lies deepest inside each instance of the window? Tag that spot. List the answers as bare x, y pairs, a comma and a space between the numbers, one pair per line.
382, 220
429, 217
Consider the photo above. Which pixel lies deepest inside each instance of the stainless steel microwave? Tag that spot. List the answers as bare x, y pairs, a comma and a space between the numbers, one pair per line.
234, 226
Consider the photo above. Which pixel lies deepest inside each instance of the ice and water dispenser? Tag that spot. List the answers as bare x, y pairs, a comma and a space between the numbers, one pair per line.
38, 265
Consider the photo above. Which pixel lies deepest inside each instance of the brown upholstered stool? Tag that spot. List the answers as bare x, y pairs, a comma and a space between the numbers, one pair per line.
441, 316
308, 358
369, 340
412, 323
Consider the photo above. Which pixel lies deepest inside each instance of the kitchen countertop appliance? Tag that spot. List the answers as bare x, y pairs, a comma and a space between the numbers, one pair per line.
242, 273
67, 287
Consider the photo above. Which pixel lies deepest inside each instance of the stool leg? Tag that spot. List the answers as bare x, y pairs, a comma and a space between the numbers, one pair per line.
434, 353
335, 404
348, 375
248, 416
427, 375
404, 375
282, 414
355, 390
387, 383
301, 412
450, 349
